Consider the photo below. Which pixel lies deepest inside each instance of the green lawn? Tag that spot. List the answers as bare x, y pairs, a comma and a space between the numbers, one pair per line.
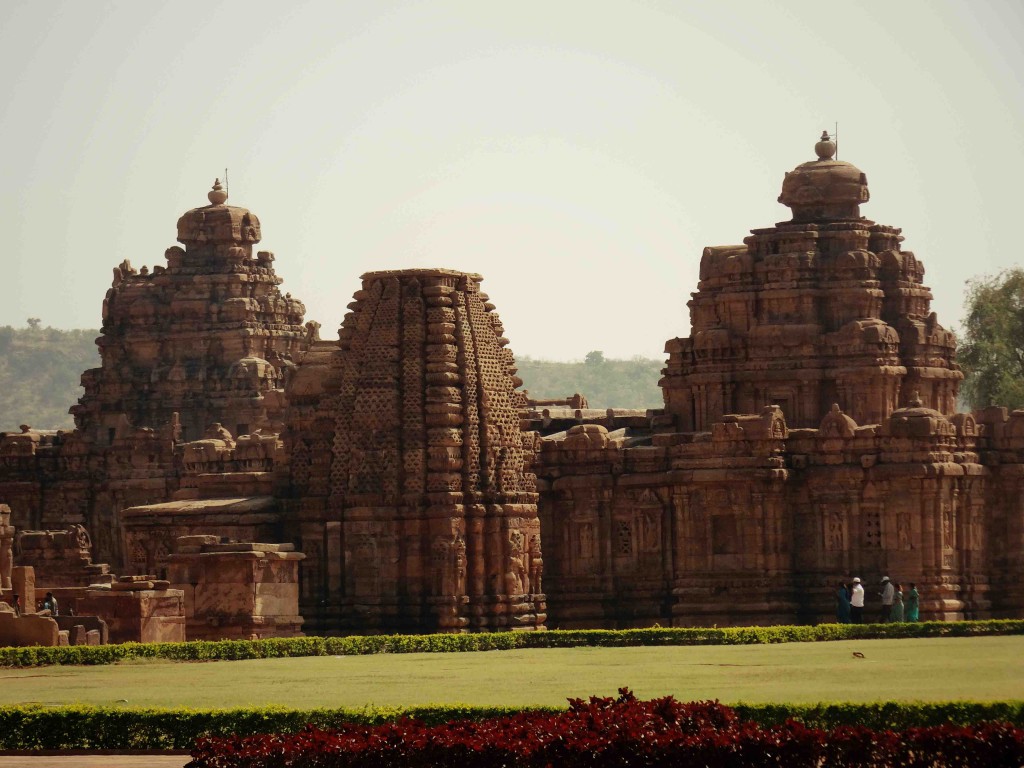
983, 668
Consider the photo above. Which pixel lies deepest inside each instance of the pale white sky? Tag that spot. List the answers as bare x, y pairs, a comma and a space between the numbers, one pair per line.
579, 155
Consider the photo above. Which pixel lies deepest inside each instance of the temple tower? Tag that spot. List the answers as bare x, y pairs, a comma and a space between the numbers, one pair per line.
208, 336
825, 308
415, 504
198, 346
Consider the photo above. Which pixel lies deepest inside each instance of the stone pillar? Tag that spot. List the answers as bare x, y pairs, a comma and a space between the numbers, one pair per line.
6, 547
603, 502
335, 563
931, 539
475, 549
23, 584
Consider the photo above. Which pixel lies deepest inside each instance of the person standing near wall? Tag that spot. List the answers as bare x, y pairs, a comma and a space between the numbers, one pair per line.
897, 605
857, 602
843, 604
888, 594
913, 604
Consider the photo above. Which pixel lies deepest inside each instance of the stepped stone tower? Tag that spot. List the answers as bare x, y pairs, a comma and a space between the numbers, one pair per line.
208, 337
199, 347
417, 506
822, 309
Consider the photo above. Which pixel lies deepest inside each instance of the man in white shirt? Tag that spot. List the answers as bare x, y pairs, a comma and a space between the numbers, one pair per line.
888, 593
857, 602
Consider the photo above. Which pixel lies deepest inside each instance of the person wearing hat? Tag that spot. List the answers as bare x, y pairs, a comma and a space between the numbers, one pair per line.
888, 594
857, 602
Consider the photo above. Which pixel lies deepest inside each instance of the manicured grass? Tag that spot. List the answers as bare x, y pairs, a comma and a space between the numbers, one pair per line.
934, 669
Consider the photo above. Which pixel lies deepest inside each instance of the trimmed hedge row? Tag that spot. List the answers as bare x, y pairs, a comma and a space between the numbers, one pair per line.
34, 727
886, 715
353, 645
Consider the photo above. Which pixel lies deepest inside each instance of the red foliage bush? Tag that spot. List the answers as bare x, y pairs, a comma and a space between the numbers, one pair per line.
617, 732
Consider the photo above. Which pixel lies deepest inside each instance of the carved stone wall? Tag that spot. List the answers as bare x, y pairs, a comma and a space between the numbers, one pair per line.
150, 530
418, 509
237, 590
61, 558
754, 523
997, 519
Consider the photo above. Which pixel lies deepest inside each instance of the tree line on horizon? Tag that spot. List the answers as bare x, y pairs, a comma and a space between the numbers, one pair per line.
40, 371
40, 368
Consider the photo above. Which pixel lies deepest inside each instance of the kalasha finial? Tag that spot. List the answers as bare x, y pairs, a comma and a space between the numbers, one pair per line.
217, 195
825, 148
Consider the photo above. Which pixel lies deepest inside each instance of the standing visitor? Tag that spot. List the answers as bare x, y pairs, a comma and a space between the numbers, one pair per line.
913, 604
16, 605
843, 604
857, 602
897, 605
888, 594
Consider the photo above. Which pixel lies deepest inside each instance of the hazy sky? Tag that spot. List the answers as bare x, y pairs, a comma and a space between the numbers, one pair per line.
579, 155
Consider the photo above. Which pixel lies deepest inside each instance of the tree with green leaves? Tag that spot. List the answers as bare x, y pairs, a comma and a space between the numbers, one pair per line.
992, 349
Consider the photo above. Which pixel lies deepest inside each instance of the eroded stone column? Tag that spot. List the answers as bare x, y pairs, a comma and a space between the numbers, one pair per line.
6, 547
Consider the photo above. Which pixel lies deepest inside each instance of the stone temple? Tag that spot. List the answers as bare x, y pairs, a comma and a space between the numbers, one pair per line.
409, 476
809, 434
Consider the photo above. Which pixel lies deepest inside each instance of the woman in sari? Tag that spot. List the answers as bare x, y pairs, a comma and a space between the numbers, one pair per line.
843, 604
913, 604
897, 604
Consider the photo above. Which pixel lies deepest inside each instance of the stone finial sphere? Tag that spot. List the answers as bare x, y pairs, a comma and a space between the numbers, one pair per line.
217, 195
825, 149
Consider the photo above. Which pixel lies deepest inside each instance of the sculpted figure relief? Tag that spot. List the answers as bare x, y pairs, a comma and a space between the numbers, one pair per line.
536, 566
449, 567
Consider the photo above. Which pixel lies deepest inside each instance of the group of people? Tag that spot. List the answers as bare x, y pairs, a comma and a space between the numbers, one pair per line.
896, 606
48, 604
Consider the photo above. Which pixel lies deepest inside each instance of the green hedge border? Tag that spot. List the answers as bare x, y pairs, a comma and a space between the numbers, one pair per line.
38, 728
356, 645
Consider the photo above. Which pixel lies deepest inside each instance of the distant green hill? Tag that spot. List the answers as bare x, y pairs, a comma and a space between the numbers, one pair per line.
605, 383
40, 370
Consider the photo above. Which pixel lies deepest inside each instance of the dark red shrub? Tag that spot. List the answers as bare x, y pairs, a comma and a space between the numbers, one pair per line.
621, 731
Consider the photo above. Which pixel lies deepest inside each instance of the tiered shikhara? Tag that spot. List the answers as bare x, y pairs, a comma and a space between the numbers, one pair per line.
418, 506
